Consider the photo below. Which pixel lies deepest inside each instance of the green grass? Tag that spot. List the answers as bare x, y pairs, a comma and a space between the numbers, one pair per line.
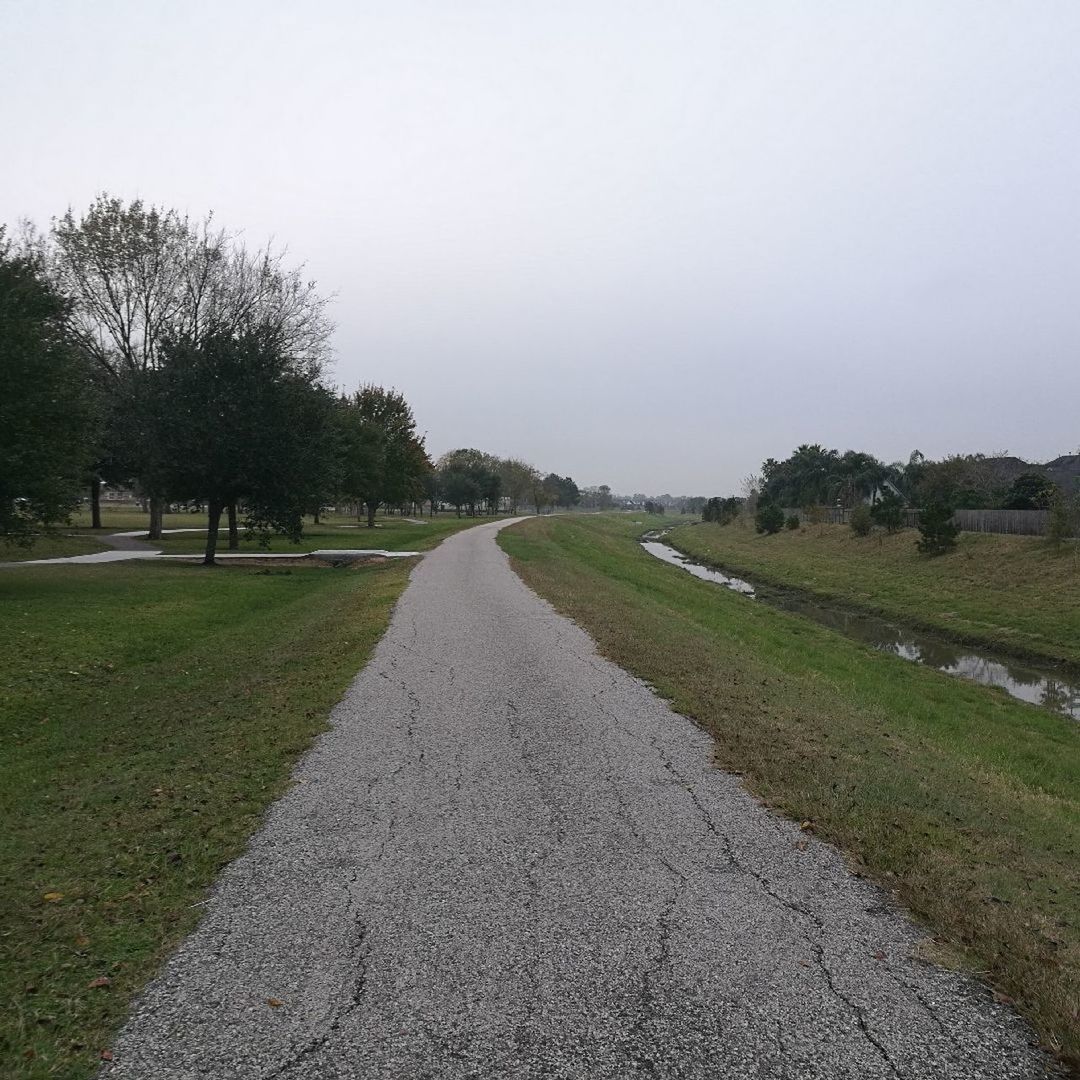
149, 714
390, 534
963, 802
1013, 592
53, 546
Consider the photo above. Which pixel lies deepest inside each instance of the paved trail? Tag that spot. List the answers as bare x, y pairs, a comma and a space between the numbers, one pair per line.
510, 859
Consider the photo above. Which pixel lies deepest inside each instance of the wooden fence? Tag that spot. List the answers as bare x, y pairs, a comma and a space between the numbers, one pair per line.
1017, 522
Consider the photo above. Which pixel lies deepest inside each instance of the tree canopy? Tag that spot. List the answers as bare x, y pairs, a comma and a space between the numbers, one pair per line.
48, 409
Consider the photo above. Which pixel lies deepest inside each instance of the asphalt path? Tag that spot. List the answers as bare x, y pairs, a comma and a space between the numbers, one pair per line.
509, 858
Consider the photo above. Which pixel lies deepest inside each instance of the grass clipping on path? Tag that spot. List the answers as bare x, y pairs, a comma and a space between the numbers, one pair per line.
962, 801
149, 715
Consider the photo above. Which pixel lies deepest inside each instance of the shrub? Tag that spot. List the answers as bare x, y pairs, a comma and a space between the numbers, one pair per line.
769, 518
862, 520
938, 532
1060, 525
888, 512
792, 522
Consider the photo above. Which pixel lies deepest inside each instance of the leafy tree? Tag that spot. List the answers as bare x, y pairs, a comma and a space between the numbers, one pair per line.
938, 531
432, 489
1031, 491
565, 490
656, 508
238, 421
862, 520
542, 493
965, 481
813, 475
792, 522
722, 511
141, 276
358, 454
769, 518
384, 461
48, 414
480, 469
460, 490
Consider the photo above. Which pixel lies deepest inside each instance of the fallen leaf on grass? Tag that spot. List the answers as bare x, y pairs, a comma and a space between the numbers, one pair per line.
52, 897
806, 825
99, 982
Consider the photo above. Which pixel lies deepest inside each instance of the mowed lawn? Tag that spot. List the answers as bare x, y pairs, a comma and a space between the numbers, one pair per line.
60, 544
961, 801
1015, 592
391, 533
149, 714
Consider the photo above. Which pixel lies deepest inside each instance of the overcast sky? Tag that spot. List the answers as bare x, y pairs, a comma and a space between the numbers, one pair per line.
642, 244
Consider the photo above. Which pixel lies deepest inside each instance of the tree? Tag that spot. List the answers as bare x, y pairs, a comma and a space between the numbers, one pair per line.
482, 471
517, 482
239, 420
721, 511
459, 489
141, 276
652, 507
384, 461
542, 493
938, 531
48, 414
566, 493
432, 489
769, 518
1031, 491
862, 520
888, 512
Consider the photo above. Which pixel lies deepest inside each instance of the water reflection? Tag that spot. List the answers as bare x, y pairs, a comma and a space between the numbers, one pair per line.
1036, 685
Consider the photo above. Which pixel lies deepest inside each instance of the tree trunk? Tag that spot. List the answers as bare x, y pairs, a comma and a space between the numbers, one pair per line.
234, 532
371, 508
95, 503
215, 509
157, 514
315, 517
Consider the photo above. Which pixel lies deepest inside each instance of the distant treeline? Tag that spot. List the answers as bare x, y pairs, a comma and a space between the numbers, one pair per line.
814, 476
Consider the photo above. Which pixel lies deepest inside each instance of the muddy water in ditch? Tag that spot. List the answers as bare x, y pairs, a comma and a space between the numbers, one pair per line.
1035, 684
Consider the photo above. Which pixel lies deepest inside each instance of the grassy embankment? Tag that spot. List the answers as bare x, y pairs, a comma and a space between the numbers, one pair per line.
149, 713
1013, 592
962, 801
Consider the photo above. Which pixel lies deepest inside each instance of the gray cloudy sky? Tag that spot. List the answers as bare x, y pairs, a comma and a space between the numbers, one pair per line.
647, 244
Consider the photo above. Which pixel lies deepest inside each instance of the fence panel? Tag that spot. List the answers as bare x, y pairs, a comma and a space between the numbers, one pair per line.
1014, 522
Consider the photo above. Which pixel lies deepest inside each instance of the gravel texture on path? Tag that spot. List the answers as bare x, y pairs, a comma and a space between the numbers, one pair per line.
509, 858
